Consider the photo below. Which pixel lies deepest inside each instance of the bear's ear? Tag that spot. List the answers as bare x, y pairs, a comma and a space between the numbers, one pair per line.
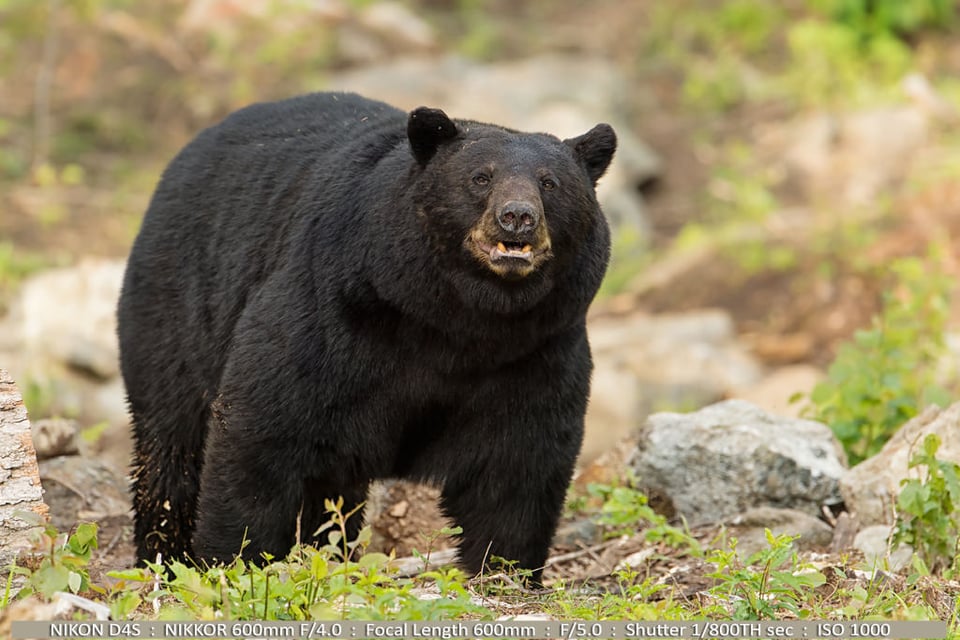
427, 129
595, 149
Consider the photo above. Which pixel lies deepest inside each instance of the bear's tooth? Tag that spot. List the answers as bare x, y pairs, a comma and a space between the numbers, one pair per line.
502, 247
526, 248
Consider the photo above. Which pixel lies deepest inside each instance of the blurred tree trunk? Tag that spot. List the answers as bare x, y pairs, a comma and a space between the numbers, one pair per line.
43, 87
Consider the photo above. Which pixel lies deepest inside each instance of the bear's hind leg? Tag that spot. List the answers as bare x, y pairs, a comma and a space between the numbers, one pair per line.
167, 460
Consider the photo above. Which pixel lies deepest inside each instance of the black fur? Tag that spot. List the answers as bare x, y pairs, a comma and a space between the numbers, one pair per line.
300, 315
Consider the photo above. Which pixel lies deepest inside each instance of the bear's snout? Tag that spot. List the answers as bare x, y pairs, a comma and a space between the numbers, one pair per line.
517, 216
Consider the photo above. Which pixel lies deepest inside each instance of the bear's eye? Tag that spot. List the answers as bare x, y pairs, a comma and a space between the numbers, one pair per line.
481, 179
548, 184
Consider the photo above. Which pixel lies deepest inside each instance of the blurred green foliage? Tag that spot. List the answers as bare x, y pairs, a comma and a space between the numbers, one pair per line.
831, 64
15, 265
873, 18
833, 52
889, 372
481, 37
715, 47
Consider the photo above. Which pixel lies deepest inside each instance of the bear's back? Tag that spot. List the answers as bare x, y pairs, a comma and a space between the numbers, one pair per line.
227, 213
332, 118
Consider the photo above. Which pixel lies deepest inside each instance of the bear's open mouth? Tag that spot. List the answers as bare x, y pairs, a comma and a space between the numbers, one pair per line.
510, 258
510, 251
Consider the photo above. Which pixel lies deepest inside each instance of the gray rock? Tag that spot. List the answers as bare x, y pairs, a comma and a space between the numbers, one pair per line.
726, 458
854, 156
749, 529
69, 316
80, 489
579, 533
645, 363
874, 542
54, 437
871, 488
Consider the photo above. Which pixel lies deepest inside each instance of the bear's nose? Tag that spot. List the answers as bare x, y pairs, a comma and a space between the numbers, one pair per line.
517, 216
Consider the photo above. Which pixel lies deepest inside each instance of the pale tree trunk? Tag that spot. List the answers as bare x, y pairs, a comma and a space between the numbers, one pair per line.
20, 489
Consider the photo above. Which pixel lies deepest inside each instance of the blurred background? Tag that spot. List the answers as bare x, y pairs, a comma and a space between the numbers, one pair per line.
785, 199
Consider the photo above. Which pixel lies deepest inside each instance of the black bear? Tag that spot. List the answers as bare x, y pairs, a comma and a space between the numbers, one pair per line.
327, 290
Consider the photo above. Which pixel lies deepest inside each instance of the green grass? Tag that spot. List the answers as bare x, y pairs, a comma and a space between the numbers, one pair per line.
341, 581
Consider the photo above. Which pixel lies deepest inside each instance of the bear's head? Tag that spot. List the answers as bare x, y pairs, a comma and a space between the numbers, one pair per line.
505, 209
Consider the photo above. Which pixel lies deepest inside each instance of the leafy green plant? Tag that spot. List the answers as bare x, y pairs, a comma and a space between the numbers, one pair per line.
63, 560
625, 508
337, 580
927, 517
310, 583
782, 583
431, 540
887, 373
316, 583
634, 598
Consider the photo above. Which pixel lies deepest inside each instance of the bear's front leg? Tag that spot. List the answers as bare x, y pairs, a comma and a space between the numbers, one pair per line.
264, 485
513, 458
272, 454
509, 506
250, 494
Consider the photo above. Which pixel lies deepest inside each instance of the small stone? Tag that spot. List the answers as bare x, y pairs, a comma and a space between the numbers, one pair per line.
55, 437
637, 559
750, 529
874, 542
400, 509
579, 532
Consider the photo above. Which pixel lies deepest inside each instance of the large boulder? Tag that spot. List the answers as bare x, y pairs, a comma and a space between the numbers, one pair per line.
60, 342
727, 458
69, 315
851, 157
871, 488
645, 363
